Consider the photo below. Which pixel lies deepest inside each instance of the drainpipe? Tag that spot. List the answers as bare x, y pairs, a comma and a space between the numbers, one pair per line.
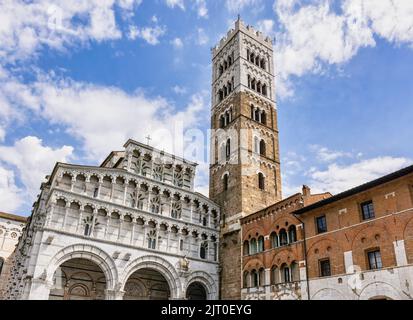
305, 256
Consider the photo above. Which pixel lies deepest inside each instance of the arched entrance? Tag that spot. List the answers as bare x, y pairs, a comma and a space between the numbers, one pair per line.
146, 284
78, 279
196, 291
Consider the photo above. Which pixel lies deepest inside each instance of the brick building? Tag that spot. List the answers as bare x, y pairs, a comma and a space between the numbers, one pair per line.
245, 163
355, 245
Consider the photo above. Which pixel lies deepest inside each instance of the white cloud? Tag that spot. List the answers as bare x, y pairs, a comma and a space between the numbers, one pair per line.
11, 196
33, 161
326, 155
150, 34
203, 38
27, 27
177, 43
202, 9
235, 6
103, 118
179, 90
266, 26
338, 178
176, 3
313, 35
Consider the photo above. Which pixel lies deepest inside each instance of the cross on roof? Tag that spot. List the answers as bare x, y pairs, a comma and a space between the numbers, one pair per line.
148, 138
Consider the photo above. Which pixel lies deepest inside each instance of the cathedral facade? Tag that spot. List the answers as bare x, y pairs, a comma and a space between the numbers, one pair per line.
132, 228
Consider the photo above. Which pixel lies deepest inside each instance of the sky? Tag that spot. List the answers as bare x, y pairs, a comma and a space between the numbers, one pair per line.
78, 78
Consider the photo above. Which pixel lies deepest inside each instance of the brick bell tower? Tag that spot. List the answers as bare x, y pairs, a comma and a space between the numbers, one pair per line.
245, 162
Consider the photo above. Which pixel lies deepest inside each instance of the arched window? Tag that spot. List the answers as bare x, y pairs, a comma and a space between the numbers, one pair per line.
252, 112
253, 84
283, 238
261, 244
262, 277
275, 275
262, 63
228, 149
264, 89
274, 240
261, 181
253, 246
263, 118
257, 115
225, 181
155, 205
1, 264
152, 240
292, 233
245, 282
295, 272
203, 250
246, 248
285, 273
254, 278
262, 148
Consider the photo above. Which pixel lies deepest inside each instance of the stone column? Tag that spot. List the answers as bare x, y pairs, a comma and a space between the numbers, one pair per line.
50, 216
112, 191
120, 225
94, 217
64, 218
39, 289
79, 222
124, 192
114, 295
99, 189
132, 232
107, 225
72, 184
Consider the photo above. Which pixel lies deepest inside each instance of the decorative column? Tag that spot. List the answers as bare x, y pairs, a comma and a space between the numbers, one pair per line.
191, 205
124, 192
64, 218
99, 188
120, 225
72, 182
132, 232
144, 235
107, 225
94, 217
149, 202
112, 191
79, 223
167, 241
49, 216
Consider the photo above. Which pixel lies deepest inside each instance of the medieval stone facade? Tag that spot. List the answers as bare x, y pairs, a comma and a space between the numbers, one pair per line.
132, 228
245, 163
356, 245
11, 227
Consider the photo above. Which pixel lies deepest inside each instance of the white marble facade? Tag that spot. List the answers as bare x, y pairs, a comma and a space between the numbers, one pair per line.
137, 211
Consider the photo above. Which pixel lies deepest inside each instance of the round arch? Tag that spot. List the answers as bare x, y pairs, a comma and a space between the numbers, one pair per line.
156, 263
88, 252
328, 294
206, 281
379, 289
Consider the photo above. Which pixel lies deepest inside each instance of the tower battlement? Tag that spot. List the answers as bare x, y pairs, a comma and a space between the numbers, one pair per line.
248, 30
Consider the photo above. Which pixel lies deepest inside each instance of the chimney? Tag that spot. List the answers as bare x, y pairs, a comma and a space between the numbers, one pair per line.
306, 191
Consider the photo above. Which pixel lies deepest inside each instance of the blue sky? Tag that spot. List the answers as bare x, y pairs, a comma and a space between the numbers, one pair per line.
77, 78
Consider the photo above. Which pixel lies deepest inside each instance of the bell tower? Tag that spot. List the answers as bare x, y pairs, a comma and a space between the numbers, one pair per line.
245, 162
